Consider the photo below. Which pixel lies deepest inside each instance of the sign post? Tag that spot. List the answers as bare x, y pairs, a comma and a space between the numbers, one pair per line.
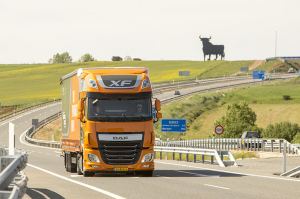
219, 130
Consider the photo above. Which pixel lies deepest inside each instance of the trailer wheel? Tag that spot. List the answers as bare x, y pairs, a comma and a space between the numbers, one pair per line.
71, 166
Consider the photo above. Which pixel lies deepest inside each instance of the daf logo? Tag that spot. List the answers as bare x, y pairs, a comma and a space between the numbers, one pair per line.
120, 138
120, 83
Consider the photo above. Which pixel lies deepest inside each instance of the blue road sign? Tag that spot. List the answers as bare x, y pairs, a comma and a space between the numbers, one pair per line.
258, 74
173, 125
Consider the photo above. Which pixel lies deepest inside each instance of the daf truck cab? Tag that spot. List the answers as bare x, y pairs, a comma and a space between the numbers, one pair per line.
107, 121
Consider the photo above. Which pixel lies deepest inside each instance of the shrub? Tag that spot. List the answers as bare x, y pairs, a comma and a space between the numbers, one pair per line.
286, 97
296, 139
116, 58
282, 130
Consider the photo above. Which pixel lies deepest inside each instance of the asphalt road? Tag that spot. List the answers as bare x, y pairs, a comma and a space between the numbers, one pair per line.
172, 179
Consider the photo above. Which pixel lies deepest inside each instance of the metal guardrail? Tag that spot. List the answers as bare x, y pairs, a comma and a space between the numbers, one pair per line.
10, 115
31, 131
295, 173
13, 182
271, 145
218, 156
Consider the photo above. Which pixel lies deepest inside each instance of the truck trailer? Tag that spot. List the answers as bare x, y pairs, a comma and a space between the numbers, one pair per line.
107, 121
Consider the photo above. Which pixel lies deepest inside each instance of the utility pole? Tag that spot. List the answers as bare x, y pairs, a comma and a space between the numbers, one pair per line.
276, 43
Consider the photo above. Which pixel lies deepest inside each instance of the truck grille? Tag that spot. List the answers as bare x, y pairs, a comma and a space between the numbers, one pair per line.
121, 153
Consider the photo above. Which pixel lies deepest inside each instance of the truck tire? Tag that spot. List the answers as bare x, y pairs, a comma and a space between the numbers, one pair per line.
79, 164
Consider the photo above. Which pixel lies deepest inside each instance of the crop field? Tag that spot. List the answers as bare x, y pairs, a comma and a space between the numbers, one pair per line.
30, 84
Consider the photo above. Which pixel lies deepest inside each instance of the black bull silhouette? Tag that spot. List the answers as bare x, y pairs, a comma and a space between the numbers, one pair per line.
210, 49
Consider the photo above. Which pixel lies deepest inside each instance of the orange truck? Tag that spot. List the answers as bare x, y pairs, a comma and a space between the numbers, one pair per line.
107, 121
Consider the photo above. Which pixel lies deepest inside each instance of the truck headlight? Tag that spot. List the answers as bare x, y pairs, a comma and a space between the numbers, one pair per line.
146, 83
93, 157
148, 157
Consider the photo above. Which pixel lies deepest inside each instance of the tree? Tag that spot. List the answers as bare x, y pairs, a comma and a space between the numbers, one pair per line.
116, 58
283, 130
87, 58
61, 58
239, 118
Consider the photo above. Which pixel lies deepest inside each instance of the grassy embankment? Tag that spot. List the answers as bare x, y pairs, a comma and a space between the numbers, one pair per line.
202, 110
30, 84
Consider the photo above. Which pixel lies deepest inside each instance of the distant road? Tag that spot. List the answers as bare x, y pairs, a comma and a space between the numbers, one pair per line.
48, 178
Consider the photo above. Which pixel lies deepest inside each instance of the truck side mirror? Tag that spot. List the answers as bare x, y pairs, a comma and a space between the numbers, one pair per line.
80, 105
158, 115
157, 105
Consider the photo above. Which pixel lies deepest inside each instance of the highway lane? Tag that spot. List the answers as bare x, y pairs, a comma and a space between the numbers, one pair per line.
47, 175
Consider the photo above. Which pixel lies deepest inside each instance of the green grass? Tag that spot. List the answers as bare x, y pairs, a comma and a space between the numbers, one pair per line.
29, 84
269, 66
266, 100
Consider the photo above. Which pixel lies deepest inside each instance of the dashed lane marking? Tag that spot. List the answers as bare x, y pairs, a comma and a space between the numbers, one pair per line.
107, 193
218, 187
197, 174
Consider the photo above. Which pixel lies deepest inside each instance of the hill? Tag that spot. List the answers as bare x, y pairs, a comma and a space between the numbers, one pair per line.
30, 84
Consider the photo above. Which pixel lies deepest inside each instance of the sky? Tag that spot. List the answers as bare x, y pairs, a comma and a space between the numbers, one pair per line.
31, 31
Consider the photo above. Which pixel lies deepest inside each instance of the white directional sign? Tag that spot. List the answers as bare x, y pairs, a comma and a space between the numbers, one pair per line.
219, 130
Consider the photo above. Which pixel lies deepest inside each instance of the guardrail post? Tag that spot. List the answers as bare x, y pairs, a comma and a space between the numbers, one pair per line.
187, 157
195, 158
180, 156
160, 155
263, 145
203, 158
173, 155
211, 159
272, 146
280, 145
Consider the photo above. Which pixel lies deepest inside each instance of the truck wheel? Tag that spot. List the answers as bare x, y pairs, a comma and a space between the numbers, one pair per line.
79, 164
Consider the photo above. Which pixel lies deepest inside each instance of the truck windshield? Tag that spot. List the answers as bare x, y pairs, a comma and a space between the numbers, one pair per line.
119, 109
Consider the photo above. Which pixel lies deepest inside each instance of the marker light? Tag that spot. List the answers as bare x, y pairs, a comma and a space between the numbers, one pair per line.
93, 84
146, 83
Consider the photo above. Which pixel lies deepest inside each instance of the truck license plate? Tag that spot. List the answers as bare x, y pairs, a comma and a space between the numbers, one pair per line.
121, 169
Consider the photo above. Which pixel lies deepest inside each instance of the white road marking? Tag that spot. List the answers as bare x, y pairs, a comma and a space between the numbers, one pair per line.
232, 172
210, 185
107, 193
197, 174
75, 176
162, 176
